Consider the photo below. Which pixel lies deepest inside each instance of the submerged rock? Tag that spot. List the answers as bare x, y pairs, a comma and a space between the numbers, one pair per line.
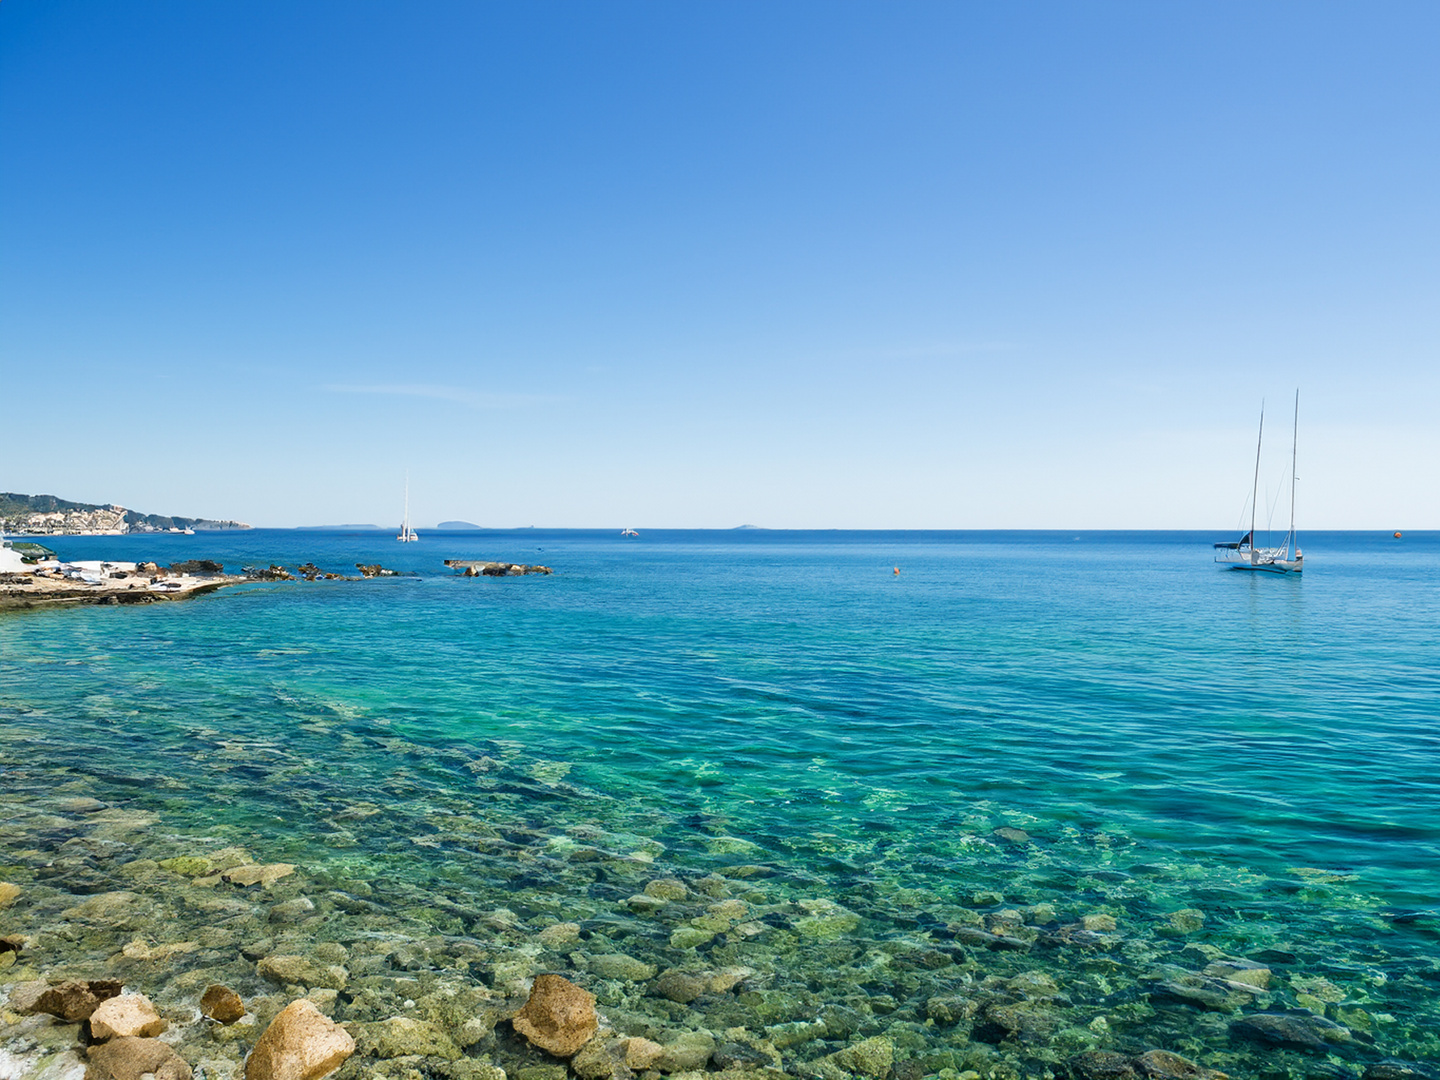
187, 865
1101, 1065
302, 971
1294, 1028
1249, 977
401, 1036
559, 1017
255, 874
128, 1058
688, 1051
681, 987
641, 1053
71, 1001
1397, 1070
873, 1058
1163, 1065
558, 934
601, 1059
619, 966
1186, 920
299, 1044
667, 889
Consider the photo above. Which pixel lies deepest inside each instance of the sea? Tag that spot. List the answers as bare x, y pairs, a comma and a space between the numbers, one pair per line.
885, 804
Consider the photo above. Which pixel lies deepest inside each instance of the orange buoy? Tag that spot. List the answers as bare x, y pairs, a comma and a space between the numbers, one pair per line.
1397, 536
897, 569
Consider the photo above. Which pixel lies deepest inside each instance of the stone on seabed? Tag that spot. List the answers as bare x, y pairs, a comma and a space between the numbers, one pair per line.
559, 1017
403, 1036
129, 1058
264, 876
221, 1003
299, 1044
71, 1001
128, 1014
1163, 1065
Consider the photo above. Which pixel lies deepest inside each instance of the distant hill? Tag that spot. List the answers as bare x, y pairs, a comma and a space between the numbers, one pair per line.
48, 515
457, 526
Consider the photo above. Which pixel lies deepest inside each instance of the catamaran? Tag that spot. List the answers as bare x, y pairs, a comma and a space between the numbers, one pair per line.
1245, 554
407, 534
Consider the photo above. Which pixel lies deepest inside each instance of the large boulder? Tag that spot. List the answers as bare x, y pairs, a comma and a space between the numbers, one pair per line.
300, 1044
130, 1058
127, 1015
559, 1016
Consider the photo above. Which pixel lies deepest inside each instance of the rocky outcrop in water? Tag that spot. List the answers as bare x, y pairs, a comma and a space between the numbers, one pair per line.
300, 1044
126, 1015
558, 1017
479, 568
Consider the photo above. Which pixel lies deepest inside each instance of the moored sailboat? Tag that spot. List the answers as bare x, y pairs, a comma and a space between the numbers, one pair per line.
407, 534
1245, 554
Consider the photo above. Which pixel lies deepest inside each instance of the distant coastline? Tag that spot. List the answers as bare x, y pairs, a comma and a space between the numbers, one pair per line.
47, 515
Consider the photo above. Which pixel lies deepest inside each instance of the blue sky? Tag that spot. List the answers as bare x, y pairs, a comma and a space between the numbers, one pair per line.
797, 265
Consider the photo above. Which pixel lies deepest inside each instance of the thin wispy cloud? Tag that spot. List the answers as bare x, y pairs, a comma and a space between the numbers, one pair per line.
474, 399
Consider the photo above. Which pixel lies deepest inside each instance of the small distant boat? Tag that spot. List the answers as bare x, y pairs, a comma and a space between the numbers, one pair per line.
407, 534
1244, 554
628, 532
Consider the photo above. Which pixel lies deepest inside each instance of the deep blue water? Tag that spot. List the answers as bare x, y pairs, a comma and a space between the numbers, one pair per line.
1266, 746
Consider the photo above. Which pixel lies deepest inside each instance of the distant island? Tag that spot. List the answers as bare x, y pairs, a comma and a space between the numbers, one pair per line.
46, 515
457, 526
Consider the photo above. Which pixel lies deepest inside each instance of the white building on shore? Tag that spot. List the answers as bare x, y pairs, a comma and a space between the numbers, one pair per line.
10, 561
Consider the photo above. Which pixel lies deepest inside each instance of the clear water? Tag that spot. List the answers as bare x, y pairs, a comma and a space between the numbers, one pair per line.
1169, 736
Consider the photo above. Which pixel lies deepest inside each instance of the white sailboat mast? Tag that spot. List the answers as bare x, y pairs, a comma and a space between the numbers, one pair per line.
1255, 488
1294, 445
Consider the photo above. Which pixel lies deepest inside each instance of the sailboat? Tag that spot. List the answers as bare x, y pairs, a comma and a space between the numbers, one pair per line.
1245, 554
407, 534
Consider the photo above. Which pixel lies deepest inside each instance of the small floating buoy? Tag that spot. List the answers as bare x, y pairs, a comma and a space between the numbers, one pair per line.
1397, 536
897, 570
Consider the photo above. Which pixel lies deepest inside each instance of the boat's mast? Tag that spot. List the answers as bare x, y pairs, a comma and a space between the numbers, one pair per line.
1294, 442
1255, 489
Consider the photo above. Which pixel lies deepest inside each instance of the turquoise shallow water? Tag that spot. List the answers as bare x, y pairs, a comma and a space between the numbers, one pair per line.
1166, 736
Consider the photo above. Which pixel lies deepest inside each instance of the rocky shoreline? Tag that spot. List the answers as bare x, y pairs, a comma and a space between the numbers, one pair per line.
58, 584
148, 583
571, 951
41, 590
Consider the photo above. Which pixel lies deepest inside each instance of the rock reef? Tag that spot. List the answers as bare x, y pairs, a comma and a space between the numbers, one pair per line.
480, 568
